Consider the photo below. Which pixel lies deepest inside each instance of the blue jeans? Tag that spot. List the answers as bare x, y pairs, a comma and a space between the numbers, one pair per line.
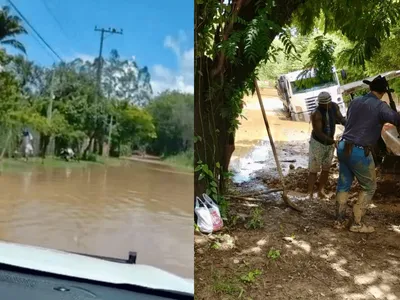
358, 165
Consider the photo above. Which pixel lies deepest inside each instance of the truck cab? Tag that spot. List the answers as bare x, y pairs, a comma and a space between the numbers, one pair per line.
300, 99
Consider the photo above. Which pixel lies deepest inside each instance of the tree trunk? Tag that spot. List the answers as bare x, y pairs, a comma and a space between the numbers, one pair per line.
6, 144
209, 126
88, 146
44, 142
110, 127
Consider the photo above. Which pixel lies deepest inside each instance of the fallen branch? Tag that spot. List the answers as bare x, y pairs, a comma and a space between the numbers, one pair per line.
245, 198
259, 193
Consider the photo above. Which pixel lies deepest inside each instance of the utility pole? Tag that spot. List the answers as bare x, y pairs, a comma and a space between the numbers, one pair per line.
50, 109
100, 64
100, 59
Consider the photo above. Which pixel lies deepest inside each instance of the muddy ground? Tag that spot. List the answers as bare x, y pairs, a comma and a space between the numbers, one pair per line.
268, 251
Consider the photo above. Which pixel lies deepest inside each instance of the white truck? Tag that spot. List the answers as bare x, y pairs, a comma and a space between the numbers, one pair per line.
300, 101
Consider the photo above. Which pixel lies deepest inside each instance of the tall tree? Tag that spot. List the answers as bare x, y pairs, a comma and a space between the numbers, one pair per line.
10, 27
125, 80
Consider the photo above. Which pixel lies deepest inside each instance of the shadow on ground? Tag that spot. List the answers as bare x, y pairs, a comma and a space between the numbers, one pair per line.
270, 251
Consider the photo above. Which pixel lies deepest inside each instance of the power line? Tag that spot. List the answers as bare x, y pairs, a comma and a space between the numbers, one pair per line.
34, 30
54, 18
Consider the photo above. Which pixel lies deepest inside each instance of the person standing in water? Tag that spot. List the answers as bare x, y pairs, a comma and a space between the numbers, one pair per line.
27, 144
322, 143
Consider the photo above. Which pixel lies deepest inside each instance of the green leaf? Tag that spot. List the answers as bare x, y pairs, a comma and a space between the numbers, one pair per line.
213, 183
198, 168
201, 176
218, 165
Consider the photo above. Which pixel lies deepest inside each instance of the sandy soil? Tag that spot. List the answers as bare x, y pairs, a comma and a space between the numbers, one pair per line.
268, 251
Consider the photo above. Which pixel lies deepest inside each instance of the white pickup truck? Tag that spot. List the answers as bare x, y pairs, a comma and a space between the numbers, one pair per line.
299, 101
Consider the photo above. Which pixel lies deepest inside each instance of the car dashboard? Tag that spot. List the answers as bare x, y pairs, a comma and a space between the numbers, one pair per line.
20, 283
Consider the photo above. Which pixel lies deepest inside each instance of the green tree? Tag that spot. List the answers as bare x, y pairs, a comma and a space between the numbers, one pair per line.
124, 80
10, 109
133, 127
32, 79
10, 27
172, 113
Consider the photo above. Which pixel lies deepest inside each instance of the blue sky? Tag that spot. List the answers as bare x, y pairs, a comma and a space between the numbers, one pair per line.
158, 33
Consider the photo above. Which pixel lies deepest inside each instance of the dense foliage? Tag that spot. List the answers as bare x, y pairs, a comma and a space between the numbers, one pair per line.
173, 117
316, 47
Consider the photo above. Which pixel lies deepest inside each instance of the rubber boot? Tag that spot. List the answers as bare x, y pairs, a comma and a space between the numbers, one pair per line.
359, 210
341, 204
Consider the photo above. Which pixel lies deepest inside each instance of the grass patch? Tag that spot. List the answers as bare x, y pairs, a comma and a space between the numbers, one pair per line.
233, 284
182, 160
256, 220
274, 254
20, 165
251, 276
227, 286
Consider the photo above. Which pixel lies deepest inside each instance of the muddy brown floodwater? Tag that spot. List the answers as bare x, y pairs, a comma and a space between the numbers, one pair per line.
253, 154
106, 211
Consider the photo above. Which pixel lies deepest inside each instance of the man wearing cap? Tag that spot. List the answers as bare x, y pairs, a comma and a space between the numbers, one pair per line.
322, 143
366, 116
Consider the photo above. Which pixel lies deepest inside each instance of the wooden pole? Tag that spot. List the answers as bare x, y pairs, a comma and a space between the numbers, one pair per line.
278, 165
6, 144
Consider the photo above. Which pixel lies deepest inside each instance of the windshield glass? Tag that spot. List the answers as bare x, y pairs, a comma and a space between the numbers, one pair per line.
303, 85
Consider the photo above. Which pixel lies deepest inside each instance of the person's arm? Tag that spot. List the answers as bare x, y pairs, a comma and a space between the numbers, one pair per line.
339, 117
388, 115
316, 120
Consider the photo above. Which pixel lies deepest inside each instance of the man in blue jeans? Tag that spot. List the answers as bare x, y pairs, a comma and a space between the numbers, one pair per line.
366, 116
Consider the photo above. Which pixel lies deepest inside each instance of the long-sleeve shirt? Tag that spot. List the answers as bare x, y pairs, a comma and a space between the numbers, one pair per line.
366, 116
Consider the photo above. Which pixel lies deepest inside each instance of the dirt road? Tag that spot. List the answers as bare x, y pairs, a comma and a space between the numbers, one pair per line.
268, 251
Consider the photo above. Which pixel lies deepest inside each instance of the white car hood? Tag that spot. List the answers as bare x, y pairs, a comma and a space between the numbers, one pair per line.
79, 266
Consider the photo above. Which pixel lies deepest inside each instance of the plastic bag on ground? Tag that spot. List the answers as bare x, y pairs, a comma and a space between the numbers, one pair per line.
204, 219
217, 221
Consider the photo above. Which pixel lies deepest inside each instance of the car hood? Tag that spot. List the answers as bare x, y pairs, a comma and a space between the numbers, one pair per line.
79, 266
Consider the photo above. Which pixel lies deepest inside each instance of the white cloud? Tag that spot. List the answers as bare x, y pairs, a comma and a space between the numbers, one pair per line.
182, 79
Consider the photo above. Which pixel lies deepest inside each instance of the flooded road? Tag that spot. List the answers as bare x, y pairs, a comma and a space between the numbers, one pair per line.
253, 152
105, 211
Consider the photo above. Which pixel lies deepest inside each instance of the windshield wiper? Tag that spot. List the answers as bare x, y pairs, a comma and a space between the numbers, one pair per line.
131, 257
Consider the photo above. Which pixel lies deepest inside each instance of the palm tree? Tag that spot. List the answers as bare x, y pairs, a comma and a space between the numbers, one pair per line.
11, 26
